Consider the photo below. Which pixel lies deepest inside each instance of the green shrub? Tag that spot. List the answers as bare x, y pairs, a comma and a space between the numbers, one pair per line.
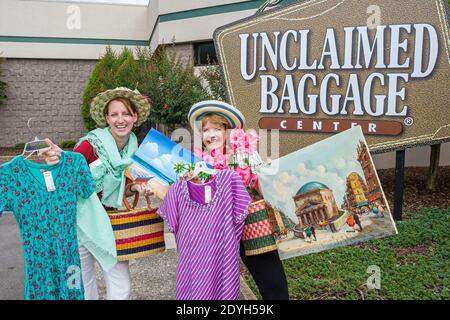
20, 146
213, 78
171, 86
101, 79
68, 144
3, 86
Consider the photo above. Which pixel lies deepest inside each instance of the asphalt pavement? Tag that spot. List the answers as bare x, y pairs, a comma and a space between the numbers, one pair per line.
153, 277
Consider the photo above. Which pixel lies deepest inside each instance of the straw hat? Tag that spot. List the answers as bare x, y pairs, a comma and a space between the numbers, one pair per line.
203, 108
102, 99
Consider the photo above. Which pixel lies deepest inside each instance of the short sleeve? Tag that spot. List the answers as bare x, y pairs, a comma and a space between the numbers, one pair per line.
168, 210
87, 150
241, 199
85, 184
5, 193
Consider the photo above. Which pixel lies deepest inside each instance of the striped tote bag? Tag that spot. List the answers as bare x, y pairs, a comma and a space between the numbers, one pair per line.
138, 232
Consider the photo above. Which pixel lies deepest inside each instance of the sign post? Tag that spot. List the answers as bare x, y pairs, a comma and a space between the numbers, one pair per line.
399, 184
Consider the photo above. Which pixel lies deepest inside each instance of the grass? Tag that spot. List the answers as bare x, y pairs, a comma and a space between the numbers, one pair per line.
415, 264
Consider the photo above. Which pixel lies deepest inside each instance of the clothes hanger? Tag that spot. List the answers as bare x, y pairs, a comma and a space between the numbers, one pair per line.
35, 145
202, 167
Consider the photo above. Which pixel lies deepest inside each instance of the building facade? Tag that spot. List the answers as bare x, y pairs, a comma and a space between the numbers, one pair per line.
50, 48
314, 204
374, 194
356, 191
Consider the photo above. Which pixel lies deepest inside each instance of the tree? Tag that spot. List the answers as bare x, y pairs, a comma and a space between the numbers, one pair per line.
171, 85
212, 77
3, 86
101, 79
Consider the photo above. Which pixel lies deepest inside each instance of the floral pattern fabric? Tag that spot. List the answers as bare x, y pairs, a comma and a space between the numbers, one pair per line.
47, 222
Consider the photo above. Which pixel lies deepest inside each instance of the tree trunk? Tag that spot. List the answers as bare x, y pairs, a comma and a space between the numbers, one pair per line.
434, 165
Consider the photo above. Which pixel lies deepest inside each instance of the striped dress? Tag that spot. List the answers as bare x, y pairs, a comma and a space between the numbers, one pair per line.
207, 235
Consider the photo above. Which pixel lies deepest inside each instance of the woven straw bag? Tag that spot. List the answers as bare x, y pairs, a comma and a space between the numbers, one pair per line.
258, 235
138, 232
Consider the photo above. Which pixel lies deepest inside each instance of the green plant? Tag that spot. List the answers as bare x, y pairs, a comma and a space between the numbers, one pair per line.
110, 71
101, 79
213, 78
68, 144
179, 168
171, 85
3, 86
19, 146
414, 264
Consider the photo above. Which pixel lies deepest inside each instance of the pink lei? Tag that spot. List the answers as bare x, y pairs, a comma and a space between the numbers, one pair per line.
237, 156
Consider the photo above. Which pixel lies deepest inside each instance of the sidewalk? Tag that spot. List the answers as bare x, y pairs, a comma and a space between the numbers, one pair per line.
153, 277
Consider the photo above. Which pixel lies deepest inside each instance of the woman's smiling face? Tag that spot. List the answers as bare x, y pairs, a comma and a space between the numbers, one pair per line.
213, 135
120, 119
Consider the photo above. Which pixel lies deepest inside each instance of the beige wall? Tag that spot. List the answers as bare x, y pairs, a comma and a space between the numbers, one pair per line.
199, 28
193, 29
415, 157
54, 51
48, 19
168, 6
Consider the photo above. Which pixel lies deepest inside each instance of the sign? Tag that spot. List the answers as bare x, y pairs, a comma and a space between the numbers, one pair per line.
316, 68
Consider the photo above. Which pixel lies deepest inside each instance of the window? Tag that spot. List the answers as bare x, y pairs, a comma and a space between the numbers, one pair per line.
204, 53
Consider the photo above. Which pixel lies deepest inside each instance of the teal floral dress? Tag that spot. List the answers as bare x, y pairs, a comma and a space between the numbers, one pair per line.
47, 222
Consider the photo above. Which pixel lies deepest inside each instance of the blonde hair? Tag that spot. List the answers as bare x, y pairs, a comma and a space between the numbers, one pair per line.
126, 102
217, 120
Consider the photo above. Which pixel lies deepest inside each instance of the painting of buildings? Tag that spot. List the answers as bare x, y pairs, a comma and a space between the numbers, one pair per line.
373, 191
315, 204
356, 191
330, 189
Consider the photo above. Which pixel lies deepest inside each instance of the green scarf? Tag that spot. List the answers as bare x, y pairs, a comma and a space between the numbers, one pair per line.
109, 175
95, 232
93, 226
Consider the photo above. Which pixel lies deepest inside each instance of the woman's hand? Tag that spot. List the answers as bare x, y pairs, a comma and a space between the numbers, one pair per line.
187, 176
142, 188
51, 154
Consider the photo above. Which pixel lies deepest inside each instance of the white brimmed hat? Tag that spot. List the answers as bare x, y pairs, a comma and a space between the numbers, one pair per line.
203, 108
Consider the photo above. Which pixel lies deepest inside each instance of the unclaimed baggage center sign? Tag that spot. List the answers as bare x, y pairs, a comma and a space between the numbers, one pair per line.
315, 68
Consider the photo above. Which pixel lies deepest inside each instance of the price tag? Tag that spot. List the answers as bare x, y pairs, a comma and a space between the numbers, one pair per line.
49, 181
207, 194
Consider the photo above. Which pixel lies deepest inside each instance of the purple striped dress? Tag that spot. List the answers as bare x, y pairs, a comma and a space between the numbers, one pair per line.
207, 235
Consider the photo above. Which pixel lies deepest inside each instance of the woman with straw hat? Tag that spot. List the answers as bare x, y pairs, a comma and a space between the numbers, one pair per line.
211, 120
108, 150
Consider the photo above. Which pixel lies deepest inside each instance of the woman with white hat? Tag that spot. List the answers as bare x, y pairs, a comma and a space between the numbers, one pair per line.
211, 120
108, 150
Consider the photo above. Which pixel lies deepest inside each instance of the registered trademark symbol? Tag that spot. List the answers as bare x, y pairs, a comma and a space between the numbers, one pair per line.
408, 121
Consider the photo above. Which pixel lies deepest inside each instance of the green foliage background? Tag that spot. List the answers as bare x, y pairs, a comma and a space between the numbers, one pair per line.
415, 264
171, 85
3, 85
